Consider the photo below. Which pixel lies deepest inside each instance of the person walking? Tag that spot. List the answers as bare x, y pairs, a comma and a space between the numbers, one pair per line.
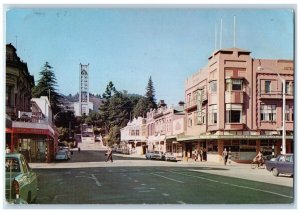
229, 156
109, 155
225, 156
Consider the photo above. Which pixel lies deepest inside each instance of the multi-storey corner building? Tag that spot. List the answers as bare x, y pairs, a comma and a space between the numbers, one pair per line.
235, 102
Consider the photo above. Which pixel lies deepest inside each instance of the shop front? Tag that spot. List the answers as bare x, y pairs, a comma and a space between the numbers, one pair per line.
37, 145
243, 149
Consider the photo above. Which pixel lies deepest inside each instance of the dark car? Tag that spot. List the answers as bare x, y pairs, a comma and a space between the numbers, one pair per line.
282, 164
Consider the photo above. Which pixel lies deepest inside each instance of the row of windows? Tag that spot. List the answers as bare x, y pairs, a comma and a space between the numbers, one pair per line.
234, 114
237, 85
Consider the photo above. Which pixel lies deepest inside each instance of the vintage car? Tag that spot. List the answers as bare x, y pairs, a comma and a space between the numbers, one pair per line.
282, 164
20, 180
168, 156
158, 155
149, 155
62, 154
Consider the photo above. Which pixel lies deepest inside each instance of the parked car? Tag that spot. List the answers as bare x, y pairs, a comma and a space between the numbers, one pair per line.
158, 155
282, 164
62, 155
149, 155
168, 156
20, 180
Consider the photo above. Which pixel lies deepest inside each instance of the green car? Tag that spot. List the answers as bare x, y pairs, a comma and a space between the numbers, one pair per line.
21, 181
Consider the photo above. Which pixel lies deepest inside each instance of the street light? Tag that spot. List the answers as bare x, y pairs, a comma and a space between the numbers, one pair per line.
283, 106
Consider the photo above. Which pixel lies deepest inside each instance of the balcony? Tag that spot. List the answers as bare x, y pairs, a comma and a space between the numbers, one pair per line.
236, 97
193, 102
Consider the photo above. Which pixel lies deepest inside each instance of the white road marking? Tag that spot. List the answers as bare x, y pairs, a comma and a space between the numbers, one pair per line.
239, 186
96, 180
143, 184
165, 194
181, 202
178, 181
152, 188
93, 177
136, 181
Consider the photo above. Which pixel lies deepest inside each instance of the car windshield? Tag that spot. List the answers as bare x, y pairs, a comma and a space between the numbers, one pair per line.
12, 165
61, 153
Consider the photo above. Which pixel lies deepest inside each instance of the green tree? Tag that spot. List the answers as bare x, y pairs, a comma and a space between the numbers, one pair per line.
47, 86
114, 136
145, 104
150, 95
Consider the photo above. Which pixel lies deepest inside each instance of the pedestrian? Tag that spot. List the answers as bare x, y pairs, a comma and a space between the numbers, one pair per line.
195, 154
229, 156
225, 156
109, 155
78, 149
201, 154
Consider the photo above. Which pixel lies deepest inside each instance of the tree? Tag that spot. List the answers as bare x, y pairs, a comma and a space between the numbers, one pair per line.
145, 104
114, 136
47, 87
150, 95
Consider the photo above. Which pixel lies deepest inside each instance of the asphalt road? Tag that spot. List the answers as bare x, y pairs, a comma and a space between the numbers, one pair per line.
140, 183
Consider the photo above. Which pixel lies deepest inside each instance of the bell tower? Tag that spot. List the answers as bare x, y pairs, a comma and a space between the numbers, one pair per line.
83, 89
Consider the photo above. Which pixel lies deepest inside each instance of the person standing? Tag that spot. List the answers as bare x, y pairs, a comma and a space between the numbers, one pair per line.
225, 156
201, 154
109, 155
195, 154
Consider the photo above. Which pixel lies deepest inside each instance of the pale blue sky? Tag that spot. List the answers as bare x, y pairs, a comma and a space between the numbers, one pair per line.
126, 45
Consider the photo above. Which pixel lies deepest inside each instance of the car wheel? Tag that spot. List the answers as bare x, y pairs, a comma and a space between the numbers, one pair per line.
275, 172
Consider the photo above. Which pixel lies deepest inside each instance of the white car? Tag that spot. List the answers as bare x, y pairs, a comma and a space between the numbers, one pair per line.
169, 156
149, 155
158, 155
62, 155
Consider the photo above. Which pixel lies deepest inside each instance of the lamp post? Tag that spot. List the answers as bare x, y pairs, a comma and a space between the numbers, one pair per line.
283, 107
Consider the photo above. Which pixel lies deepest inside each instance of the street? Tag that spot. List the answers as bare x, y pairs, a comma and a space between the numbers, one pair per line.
131, 180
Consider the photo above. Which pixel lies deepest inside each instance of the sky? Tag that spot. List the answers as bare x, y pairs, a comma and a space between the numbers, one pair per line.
128, 45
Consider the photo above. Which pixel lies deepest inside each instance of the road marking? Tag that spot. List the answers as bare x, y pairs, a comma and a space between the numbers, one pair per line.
93, 177
96, 180
152, 188
143, 184
178, 181
231, 184
136, 181
165, 194
181, 202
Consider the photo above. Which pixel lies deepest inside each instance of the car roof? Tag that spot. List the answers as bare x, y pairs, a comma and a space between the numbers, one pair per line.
17, 155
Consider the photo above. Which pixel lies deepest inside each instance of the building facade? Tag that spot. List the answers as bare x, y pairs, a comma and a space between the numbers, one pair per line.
133, 136
235, 102
29, 129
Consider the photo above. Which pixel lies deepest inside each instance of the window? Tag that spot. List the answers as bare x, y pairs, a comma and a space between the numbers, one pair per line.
9, 96
233, 113
213, 114
287, 113
268, 112
267, 86
234, 84
137, 132
288, 87
190, 122
213, 86
200, 116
